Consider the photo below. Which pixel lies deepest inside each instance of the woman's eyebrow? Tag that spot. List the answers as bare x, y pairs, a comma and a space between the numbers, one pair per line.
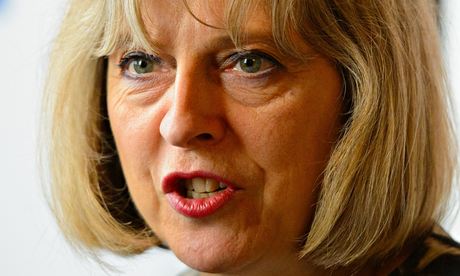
128, 46
226, 41
156, 45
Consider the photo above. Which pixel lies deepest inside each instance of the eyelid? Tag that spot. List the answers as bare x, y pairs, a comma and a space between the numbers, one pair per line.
127, 57
232, 59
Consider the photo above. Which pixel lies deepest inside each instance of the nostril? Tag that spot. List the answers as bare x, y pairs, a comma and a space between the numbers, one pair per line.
204, 137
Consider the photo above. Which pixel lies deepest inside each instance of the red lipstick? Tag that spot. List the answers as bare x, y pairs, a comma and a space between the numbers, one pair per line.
173, 186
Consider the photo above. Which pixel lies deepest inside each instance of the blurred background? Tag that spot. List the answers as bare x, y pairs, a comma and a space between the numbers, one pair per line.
30, 242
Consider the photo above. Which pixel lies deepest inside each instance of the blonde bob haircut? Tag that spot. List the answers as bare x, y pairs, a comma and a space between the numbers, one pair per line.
389, 174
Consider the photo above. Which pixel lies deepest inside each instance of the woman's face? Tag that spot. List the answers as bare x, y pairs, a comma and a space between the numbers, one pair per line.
252, 124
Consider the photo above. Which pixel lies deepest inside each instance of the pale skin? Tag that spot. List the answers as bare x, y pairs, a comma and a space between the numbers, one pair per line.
269, 127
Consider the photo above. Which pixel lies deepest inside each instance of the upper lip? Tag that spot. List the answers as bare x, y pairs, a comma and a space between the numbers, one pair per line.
170, 181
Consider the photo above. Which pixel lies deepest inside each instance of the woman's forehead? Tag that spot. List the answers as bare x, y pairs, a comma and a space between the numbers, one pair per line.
162, 24
211, 12
172, 19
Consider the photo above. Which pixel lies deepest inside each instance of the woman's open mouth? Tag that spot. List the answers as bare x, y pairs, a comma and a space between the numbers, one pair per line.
198, 187
196, 194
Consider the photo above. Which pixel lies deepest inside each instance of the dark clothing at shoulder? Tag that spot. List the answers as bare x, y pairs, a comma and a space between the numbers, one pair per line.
444, 265
438, 254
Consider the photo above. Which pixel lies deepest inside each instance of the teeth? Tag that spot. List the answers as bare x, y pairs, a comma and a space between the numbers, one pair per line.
193, 194
199, 185
203, 187
211, 185
189, 185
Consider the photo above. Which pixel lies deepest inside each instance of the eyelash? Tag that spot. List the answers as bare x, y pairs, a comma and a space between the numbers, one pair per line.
230, 60
234, 58
127, 58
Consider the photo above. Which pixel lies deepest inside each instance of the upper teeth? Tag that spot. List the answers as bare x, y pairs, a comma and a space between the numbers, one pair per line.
204, 185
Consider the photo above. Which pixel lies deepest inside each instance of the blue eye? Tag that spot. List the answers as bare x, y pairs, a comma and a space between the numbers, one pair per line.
253, 62
138, 63
141, 66
250, 64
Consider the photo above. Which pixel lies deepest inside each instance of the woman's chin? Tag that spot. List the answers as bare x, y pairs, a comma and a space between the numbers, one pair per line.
207, 255
209, 265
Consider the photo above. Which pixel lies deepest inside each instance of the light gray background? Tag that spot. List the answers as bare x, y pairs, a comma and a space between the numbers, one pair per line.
30, 243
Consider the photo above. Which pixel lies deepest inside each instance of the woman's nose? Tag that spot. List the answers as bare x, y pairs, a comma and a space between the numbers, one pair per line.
194, 117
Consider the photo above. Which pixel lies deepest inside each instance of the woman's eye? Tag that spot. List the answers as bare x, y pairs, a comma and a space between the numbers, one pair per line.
253, 63
141, 66
138, 63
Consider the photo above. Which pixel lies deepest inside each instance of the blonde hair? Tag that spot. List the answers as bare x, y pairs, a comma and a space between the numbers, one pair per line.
389, 173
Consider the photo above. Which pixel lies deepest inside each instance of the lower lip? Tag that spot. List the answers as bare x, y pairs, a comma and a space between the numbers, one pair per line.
199, 207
